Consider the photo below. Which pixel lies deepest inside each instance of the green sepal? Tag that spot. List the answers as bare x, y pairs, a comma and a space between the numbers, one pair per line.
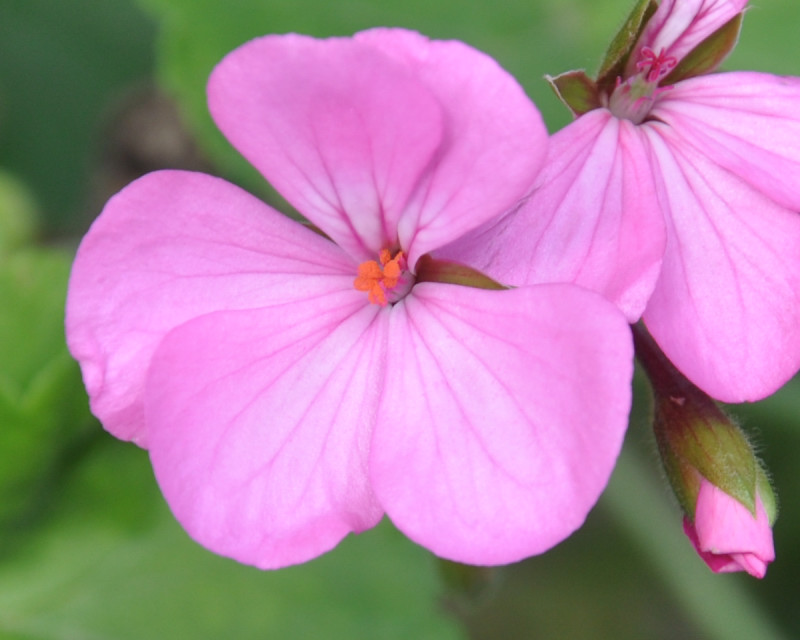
315, 229
683, 478
709, 54
703, 440
430, 269
619, 51
576, 90
767, 493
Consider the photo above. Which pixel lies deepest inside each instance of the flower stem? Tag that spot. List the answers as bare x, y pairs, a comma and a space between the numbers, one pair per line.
664, 377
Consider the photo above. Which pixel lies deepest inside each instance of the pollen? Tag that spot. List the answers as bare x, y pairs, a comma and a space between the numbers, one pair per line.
379, 277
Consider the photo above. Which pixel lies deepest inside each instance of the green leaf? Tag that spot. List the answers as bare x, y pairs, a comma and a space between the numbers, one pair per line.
33, 284
43, 407
91, 574
576, 90
709, 54
17, 214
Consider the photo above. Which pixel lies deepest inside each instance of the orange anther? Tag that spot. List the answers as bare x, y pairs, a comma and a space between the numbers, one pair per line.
368, 271
376, 279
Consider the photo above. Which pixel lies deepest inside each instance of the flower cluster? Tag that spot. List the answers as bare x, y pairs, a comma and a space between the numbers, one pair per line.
449, 343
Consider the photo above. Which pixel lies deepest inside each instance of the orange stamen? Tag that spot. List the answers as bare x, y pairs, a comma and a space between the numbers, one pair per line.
376, 279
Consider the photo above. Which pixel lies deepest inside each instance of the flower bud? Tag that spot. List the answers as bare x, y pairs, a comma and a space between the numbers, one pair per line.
725, 534
721, 485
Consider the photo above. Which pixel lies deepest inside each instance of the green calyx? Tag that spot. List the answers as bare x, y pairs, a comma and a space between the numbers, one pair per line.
576, 90
697, 440
429, 269
767, 494
616, 58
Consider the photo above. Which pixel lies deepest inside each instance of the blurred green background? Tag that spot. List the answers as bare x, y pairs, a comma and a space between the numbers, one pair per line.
94, 93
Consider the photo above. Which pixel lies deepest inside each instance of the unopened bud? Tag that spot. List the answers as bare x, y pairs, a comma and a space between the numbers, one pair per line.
720, 483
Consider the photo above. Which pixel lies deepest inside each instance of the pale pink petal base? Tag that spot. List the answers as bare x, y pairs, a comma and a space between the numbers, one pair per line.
514, 405
592, 219
726, 309
260, 423
727, 536
169, 247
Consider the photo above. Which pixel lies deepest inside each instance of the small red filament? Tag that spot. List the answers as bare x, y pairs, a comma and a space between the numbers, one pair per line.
376, 279
660, 64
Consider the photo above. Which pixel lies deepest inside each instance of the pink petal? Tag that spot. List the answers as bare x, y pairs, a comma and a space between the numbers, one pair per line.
494, 139
260, 423
724, 525
343, 132
169, 247
727, 536
748, 123
502, 417
592, 219
725, 563
390, 138
726, 309
678, 26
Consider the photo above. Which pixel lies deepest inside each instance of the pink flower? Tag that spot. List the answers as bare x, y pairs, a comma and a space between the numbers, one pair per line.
727, 536
293, 387
675, 195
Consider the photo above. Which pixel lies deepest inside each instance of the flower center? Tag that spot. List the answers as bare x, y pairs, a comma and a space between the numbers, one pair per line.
386, 280
660, 65
634, 98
